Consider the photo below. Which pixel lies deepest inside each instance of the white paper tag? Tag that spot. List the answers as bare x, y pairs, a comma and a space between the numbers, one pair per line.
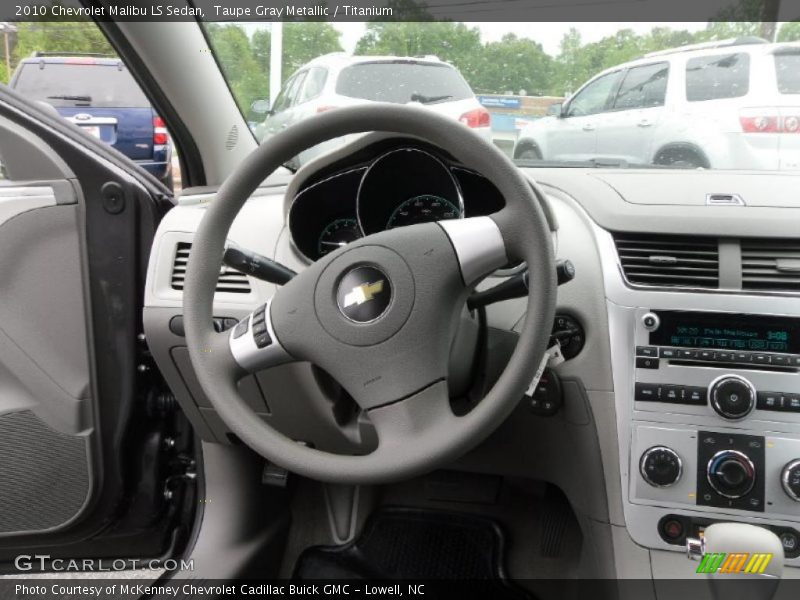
551, 358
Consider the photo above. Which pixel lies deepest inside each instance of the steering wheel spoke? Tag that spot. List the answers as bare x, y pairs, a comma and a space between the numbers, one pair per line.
415, 421
253, 342
479, 246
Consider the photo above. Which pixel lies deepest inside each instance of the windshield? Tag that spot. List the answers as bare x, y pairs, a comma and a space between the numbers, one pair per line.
80, 84
718, 95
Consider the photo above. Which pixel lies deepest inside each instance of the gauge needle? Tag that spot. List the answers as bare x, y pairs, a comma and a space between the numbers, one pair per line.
333, 243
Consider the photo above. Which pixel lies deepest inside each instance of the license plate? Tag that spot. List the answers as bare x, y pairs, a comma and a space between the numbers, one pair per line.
93, 130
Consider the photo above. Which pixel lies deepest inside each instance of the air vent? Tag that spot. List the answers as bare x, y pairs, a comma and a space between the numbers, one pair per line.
669, 260
229, 282
771, 264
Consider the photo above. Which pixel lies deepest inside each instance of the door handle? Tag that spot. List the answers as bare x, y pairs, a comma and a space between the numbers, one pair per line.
645, 123
588, 127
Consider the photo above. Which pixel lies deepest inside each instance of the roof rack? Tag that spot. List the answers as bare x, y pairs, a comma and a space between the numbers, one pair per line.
38, 54
742, 41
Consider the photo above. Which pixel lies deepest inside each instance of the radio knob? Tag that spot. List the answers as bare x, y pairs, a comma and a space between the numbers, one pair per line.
732, 396
731, 473
650, 321
790, 478
660, 466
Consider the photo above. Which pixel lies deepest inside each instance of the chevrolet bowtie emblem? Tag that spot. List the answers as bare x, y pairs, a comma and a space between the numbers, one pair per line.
362, 293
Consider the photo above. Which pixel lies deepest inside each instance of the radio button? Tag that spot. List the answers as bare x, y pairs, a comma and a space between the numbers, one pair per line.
646, 351
645, 362
646, 392
791, 402
741, 357
761, 359
780, 360
705, 355
695, 395
672, 393
668, 352
769, 400
794, 360
724, 356
651, 321
688, 354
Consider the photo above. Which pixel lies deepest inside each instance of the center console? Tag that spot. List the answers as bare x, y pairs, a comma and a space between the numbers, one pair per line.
714, 423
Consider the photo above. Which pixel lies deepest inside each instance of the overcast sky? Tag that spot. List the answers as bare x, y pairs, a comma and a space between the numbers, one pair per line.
547, 34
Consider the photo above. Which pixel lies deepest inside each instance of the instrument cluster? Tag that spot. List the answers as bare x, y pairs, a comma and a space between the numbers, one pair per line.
403, 186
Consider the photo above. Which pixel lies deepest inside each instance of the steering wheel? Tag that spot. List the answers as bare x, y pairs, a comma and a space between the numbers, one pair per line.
378, 315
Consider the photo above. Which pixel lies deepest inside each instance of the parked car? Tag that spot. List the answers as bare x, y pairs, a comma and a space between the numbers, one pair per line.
100, 95
733, 104
338, 79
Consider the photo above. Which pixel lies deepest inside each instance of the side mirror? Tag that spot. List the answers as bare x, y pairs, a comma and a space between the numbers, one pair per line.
556, 110
259, 110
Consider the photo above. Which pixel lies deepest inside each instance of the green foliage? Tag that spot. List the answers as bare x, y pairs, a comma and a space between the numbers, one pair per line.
514, 64
248, 81
305, 40
60, 36
789, 32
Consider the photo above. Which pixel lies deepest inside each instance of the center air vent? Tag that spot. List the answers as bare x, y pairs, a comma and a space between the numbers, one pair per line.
771, 264
229, 282
669, 260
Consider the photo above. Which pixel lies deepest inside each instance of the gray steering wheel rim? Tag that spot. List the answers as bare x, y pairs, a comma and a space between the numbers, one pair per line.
526, 235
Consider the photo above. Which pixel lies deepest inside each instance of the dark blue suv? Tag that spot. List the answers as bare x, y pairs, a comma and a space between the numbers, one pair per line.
99, 94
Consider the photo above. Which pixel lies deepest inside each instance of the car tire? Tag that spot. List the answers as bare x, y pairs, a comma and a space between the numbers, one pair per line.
529, 153
681, 157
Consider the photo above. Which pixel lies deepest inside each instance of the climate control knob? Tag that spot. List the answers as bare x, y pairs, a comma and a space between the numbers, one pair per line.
731, 473
732, 396
660, 466
790, 478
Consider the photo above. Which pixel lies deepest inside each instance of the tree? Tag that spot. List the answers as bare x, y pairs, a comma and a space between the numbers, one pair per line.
303, 41
245, 77
60, 36
789, 32
514, 64
453, 42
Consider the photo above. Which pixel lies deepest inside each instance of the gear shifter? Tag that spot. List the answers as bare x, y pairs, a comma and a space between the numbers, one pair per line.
742, 562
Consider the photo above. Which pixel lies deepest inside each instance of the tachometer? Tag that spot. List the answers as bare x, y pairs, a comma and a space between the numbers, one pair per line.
336, 234
423, 209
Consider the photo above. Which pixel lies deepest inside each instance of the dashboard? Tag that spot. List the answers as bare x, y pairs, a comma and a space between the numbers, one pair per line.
681, 409
401, 186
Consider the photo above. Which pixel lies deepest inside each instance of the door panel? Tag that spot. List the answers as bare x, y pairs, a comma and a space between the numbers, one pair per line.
46, 412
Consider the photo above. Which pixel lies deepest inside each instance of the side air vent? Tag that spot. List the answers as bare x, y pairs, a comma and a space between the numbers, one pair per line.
772, 265
229, 282
669, 260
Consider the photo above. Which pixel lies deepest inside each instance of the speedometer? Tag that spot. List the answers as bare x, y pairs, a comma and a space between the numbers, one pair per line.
423, 209
336, 234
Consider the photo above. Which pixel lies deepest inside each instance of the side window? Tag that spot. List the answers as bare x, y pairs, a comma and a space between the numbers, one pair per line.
643, 87
594, 97
315, 81
715, 77
288, 92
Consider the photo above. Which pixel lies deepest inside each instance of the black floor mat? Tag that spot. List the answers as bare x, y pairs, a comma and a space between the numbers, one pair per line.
400, 543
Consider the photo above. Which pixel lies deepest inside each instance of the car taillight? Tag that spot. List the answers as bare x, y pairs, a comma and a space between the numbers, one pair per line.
159, 131
476, 118
770, 121
322, 109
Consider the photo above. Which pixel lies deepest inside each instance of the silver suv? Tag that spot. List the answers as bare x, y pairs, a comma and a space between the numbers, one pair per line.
733, 104
338, 79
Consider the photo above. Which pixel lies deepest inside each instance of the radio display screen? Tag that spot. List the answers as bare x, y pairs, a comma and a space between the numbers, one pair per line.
752, 333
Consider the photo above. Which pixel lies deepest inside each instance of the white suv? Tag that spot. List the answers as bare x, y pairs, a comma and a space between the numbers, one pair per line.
722, 105
337, 80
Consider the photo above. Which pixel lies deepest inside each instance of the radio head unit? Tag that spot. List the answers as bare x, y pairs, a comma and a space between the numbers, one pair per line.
724, 331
